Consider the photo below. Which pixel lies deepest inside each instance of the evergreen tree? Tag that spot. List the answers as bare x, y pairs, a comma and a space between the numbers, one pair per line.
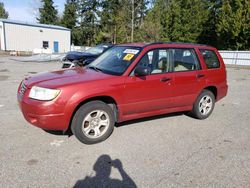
88, 21
176, 20
233, 25
153, 25
108, 20
48, 13
208, 34
70, 14
224, 24
3, 12
69, 19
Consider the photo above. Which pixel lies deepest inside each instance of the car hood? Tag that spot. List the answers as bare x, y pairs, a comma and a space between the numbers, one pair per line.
56, 79
79, 55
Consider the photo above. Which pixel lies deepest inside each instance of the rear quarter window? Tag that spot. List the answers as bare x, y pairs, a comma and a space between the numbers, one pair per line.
210, 59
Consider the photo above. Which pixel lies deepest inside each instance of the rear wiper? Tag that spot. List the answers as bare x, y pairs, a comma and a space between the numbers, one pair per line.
95, 68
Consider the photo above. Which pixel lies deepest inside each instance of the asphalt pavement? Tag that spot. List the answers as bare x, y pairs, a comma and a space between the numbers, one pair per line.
167, 151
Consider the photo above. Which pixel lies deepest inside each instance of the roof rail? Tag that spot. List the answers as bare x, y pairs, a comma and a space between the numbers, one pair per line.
148, 44
152, 43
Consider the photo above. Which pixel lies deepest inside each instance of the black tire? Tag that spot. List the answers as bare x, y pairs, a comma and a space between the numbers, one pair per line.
83, 112
196, 113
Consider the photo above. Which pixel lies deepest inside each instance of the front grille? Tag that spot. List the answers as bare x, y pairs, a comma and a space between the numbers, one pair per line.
22, 89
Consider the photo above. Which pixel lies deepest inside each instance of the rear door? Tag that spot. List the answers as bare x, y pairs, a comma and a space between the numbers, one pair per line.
188, 76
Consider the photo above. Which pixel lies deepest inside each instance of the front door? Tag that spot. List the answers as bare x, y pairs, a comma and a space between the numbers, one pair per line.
152, 92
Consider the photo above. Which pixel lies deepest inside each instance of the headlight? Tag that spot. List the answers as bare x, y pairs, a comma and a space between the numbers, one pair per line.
43, 94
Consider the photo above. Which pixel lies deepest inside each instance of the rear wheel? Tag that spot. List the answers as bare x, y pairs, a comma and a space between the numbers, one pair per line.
204, 105
93, 122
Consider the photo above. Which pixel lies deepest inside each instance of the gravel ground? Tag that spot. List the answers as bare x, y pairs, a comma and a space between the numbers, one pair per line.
167, 151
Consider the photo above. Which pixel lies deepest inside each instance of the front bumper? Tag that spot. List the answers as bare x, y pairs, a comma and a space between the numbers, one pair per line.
47, 115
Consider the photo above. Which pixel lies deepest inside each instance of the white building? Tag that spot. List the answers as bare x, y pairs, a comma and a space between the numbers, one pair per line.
22, 36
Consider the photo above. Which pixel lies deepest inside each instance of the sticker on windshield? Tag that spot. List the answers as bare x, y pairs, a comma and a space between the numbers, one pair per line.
128, 57
131, 51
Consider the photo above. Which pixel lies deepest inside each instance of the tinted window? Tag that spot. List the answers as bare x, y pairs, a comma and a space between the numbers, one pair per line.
184, 60
210, 59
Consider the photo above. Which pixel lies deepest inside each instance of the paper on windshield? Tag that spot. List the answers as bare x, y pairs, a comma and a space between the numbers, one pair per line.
131, 51
128, 57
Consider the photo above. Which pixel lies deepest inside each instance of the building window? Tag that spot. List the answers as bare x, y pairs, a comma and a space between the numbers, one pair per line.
45, 44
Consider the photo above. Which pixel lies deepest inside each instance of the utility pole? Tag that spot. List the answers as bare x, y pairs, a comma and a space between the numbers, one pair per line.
132, 21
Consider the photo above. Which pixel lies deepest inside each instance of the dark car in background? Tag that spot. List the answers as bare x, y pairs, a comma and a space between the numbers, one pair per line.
75, 58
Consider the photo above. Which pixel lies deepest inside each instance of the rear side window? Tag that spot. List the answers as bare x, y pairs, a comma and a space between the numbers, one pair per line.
210, 59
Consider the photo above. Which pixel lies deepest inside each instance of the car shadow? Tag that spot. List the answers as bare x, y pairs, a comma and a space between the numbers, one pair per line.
103, 167
125, 123
59, 133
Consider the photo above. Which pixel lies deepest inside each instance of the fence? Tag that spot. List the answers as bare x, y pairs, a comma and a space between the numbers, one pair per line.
236, 57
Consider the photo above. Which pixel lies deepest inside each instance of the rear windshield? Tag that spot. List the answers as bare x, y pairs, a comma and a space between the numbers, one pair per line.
116, 60
210, 59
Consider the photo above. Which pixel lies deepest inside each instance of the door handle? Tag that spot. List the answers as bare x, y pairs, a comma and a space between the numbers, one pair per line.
200, 75
164, 79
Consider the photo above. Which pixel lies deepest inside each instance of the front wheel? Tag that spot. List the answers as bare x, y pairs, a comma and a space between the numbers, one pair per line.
204, 105
93, 122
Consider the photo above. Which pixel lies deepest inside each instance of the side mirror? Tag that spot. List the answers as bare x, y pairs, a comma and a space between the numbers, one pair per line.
142, 71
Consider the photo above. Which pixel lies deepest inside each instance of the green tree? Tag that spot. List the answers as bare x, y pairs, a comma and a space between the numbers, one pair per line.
175, 20
153, 25
48, 13
121, 21
208, 34
233, 25
69, 17
3, 12
108, 21
88, 23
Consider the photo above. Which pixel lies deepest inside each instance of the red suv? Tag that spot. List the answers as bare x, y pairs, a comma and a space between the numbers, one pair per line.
129, 81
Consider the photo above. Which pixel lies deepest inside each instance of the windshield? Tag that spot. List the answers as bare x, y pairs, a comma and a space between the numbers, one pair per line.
116, 60
95, 50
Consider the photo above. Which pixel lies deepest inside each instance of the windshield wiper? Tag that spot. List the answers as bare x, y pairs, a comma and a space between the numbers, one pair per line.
95, 68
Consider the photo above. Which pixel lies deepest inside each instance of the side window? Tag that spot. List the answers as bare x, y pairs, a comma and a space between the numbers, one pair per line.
157, 60
210, 59
184, 60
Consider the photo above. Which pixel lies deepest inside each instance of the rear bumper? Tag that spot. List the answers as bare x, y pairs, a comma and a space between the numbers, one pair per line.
222, 92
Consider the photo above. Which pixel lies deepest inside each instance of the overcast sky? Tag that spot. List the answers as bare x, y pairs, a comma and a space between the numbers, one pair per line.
26, 10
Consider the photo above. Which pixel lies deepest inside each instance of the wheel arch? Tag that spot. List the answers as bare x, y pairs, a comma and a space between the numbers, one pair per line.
213, 89
106, 99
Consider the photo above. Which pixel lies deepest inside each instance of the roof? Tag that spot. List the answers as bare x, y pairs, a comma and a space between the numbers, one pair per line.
178, 43
34, 24
133, 44
162, 43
